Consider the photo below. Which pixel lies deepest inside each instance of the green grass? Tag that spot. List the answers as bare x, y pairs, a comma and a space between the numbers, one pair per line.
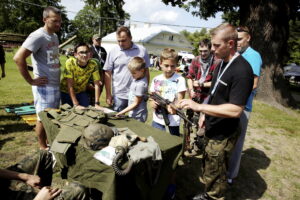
269, 167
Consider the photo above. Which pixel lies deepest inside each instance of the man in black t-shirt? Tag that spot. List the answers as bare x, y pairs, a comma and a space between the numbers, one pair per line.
231, 86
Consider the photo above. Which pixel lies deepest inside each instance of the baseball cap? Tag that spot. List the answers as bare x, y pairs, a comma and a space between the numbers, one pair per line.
96, 36
96, 136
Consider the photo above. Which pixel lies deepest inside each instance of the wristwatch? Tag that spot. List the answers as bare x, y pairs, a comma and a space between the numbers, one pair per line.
97, 103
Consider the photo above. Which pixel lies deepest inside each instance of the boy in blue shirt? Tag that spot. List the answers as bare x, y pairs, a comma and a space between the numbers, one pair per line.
137, 98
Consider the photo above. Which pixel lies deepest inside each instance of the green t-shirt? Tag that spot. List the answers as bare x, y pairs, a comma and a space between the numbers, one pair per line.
79, 74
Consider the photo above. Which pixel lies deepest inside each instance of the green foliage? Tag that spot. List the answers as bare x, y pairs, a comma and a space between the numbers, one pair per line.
98, 16
23, 18
294, 42
195, 38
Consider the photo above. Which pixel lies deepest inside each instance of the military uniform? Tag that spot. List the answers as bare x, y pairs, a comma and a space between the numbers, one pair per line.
38, 164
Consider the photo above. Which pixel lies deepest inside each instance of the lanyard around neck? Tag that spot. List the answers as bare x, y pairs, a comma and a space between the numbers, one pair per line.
220, 75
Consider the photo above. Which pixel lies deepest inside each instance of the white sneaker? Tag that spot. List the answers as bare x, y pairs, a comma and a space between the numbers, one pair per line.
229, 181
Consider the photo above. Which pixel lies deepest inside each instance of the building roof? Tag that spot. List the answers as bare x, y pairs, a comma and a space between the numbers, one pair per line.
142, 34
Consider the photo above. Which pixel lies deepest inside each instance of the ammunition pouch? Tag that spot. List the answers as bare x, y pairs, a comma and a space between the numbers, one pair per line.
71, 123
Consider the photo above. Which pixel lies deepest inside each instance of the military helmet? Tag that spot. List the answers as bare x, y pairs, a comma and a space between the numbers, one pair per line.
96, 136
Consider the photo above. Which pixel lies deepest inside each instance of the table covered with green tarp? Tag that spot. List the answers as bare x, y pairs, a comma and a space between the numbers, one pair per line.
93, 174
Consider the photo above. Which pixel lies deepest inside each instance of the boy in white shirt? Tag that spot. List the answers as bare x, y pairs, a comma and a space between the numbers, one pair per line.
171, 86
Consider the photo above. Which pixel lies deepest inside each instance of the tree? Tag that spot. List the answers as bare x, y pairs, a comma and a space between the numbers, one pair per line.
268, 21
195, 38
294, 43
98, 16
25, 17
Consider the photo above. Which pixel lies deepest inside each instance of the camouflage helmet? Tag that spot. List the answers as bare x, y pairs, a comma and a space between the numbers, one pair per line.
96, 136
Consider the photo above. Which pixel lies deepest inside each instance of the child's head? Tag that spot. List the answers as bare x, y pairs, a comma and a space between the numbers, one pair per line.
168, 62
137, 67
82, 53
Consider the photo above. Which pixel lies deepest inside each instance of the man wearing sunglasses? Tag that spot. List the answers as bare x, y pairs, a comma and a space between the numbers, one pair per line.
254, 59
78, 70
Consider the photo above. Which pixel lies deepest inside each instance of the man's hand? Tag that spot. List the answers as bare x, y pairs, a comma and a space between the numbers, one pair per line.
98, 107
33, 180
109, 100
189, 104
79, 107
201, 121
196, 83
47, 193
39, 81
192, 94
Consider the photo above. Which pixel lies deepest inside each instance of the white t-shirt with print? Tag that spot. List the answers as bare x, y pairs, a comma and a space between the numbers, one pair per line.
168, 88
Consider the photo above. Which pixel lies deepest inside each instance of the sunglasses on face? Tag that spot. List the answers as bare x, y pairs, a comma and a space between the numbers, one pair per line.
240, 29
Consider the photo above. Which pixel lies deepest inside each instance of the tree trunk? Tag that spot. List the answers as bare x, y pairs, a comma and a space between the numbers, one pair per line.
268, 22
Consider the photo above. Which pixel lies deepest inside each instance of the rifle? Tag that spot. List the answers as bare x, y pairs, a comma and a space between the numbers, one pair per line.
162, 102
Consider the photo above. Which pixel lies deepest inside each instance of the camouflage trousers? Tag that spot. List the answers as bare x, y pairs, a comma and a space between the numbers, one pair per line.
215, 165
38, 164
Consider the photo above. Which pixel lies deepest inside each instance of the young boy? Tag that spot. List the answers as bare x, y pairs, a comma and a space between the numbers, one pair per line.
79, 69
169, 85
137, 99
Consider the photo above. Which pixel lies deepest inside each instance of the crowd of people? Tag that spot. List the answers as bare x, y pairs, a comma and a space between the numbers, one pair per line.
221, 84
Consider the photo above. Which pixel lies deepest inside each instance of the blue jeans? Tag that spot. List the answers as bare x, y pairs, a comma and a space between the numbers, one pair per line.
81, 97
174, 130
120, 104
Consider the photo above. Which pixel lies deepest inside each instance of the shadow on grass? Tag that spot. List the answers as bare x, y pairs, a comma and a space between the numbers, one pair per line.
249, 184
2, 142
10, 117
18, 127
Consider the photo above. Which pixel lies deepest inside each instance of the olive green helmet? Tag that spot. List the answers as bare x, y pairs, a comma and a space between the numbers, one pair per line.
96, 136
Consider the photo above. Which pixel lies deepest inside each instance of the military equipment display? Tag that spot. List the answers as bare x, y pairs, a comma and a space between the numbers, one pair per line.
65, 131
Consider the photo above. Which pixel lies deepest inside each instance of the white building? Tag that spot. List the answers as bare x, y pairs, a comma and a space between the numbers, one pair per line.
153, 38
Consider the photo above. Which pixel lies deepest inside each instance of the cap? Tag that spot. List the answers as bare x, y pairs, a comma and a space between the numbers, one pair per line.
96, 36
97, 136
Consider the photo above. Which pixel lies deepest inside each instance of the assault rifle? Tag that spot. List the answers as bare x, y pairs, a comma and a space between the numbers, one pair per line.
187, 123
162, 102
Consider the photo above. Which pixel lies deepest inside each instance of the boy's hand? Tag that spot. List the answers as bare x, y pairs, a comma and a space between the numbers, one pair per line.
153, 104
47, 193
171, 110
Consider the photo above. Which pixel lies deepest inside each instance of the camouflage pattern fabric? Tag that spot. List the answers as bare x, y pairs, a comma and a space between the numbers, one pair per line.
73, 190
39, 164
216, 156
